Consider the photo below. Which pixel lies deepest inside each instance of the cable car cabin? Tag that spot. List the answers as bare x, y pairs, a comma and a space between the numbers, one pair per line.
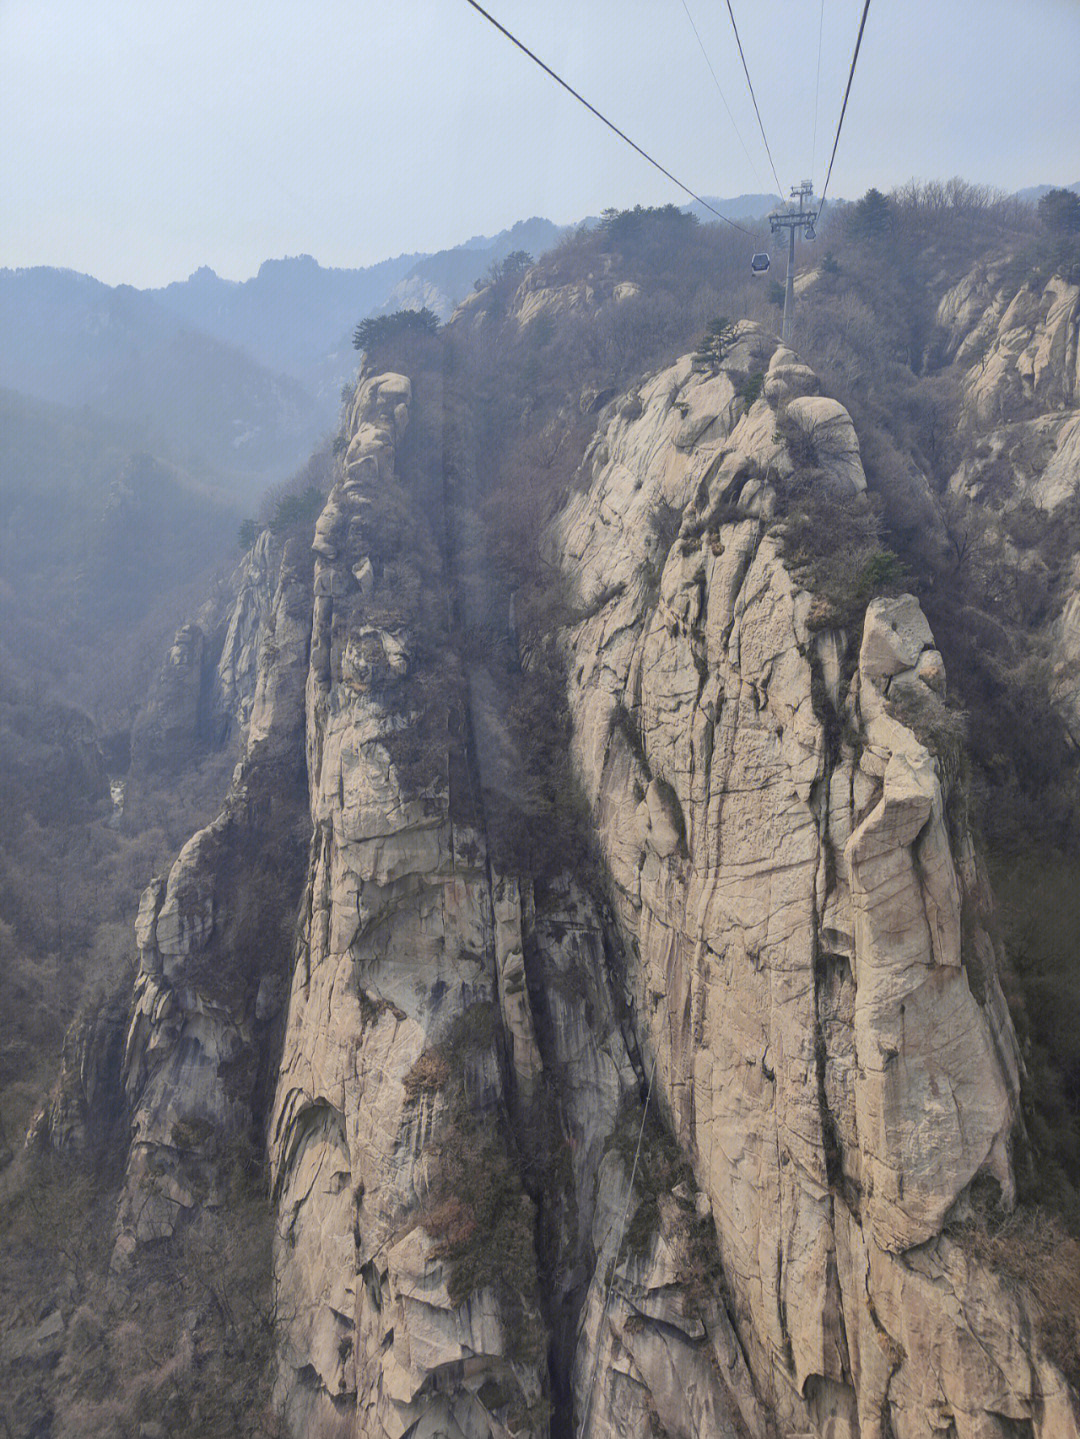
760, 263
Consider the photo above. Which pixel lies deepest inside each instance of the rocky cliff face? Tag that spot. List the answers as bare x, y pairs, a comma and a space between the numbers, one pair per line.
679, 1144
1020, 359
811, 968
215, 939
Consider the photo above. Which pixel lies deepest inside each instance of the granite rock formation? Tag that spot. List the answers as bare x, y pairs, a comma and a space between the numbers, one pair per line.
680, 1145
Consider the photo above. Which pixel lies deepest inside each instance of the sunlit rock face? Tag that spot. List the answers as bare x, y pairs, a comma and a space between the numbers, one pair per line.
810, 966
405, 931
732, 1093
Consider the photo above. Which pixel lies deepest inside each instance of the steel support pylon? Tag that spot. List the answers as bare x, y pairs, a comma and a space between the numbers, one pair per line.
803, 219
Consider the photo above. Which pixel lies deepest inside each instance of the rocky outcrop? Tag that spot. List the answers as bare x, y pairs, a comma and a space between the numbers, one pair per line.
410, 949
174, 720
244, 628
1019, 363
214, 944
204, 694
84, 1108
678, 1143
831, 1044
1020, 357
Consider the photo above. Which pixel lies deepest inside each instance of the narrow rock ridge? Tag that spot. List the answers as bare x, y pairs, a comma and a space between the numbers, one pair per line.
676, 1148
405, 935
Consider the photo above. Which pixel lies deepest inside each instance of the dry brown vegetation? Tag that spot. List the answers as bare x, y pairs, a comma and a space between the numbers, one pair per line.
183, 1341
1032, 1249
430, 1073
477, 1211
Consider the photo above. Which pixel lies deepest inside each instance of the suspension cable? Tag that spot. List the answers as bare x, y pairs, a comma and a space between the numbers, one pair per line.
757, 112
817, 86
610, 124
716, 82
843, 108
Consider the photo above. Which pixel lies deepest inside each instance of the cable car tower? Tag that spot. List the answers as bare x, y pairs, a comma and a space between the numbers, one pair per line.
800, 218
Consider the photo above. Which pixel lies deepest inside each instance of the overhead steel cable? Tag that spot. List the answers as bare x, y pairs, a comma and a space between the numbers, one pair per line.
610, 124
716, 82
843, 108
757, 112
817, 86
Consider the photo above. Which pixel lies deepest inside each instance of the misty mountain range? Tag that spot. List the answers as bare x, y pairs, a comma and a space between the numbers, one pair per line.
235, 381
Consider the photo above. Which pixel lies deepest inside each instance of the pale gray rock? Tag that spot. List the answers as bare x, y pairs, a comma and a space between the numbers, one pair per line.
788, 378
405, 933
778, 961
895, 635
645, 1355
36, 1343
1030, 355
245, 630
838, 1103
1019, 356
196, 1015
827, 425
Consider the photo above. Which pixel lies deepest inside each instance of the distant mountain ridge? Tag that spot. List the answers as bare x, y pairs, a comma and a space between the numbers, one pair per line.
233, 380
297, 316
288, 314
196, 400
236, 380
737, 207
1034, 193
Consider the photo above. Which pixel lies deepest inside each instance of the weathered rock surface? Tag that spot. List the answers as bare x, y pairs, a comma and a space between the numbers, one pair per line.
175, 718
827, 426
832, 1052
1020, 409
1019, 356
787, 996
214, 944
205, 692
84, 1107
404, 932
1020, 366
249, 617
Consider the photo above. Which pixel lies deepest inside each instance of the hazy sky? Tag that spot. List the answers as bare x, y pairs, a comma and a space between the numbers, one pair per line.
139, 140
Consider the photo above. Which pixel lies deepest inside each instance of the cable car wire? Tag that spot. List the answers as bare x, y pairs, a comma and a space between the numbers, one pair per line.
753, 97
843, 108
610, 124
716, 82
817, 86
